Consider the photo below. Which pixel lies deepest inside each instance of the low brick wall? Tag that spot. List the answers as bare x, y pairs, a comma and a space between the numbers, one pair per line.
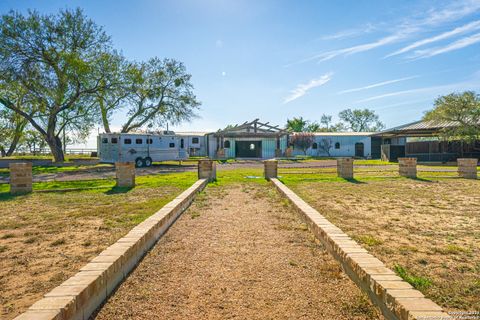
270, 169
345, 168
79, 296
207, 169
397, 299
125, 174
467, 168
407, 167
21, 178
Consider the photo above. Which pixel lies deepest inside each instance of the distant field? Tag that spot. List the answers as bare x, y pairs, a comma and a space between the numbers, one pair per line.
425, 229
46, 237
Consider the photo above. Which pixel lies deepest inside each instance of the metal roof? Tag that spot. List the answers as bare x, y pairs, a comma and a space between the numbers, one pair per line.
418, 128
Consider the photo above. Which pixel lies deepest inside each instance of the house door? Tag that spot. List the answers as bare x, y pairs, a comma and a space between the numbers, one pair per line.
248, 149
359, 150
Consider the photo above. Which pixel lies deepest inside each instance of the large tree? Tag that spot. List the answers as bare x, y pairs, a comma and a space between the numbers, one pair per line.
12, 124
158, 92
60, 62
459, 113
359, 120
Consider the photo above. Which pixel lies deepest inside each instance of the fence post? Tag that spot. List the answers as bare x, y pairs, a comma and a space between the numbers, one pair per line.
467, 168
125, 172
407, 167
207, 169
270, 169
345, 168
20, 178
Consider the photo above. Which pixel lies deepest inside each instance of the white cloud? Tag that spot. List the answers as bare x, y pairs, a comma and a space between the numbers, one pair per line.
379, 84
475, 25
459, 44
406, 29
466, 85
302, 89
349, 33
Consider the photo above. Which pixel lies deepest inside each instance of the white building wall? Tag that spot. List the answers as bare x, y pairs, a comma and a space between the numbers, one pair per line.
347, 146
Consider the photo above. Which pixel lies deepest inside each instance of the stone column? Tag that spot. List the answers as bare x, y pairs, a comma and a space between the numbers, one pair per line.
20, 178
270, 169
345, 168
467, 168
207, 169
407, 167
125, 174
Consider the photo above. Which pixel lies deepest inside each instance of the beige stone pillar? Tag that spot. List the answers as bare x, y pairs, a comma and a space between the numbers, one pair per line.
207, 169
20, 178
270, 169
407, 167
125, 174
345, 168
467, 168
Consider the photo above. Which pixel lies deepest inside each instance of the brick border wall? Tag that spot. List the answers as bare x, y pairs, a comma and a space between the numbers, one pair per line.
397, 299
79, 296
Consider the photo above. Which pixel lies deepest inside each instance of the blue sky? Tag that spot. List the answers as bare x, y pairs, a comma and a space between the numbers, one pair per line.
274, 60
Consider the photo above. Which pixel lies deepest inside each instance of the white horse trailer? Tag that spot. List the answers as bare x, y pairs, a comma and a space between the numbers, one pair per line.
142, 149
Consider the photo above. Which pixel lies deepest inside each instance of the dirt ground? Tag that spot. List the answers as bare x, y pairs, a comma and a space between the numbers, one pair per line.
429, 230
239, 252
47, 237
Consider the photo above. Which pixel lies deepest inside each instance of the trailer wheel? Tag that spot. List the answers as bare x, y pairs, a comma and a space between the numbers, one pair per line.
147, 162
139, 162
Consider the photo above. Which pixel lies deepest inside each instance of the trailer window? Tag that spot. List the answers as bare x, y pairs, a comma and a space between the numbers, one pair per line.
194, 140
149, 141
104, 140
114, 140
138, 141
172, 145
127, 141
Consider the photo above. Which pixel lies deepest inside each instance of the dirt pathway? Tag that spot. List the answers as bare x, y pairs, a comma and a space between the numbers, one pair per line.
239, 252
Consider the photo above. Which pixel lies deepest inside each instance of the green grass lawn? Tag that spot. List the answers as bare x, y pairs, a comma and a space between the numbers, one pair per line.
46, 237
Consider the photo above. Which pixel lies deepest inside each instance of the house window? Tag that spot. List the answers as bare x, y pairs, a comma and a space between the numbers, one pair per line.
226, 144
314, 145
337, 145
194, 140
138, 141
149, 141
172, 145
114, 140
127, 141
104, 140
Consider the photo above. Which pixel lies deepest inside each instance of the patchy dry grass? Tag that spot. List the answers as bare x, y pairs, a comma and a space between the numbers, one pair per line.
427, 230
47, 237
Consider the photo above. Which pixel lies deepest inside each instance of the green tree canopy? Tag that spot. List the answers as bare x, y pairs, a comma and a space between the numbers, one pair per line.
59, 61
459, 113
359, 120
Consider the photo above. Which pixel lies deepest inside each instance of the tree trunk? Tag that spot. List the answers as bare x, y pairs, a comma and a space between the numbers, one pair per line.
106, 125
2, 152
14, 143
55, 145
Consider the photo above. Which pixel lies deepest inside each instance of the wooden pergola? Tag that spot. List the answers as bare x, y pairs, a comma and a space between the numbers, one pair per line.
253, 129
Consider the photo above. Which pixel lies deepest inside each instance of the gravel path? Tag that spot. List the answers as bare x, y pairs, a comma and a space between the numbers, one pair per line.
239, 252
